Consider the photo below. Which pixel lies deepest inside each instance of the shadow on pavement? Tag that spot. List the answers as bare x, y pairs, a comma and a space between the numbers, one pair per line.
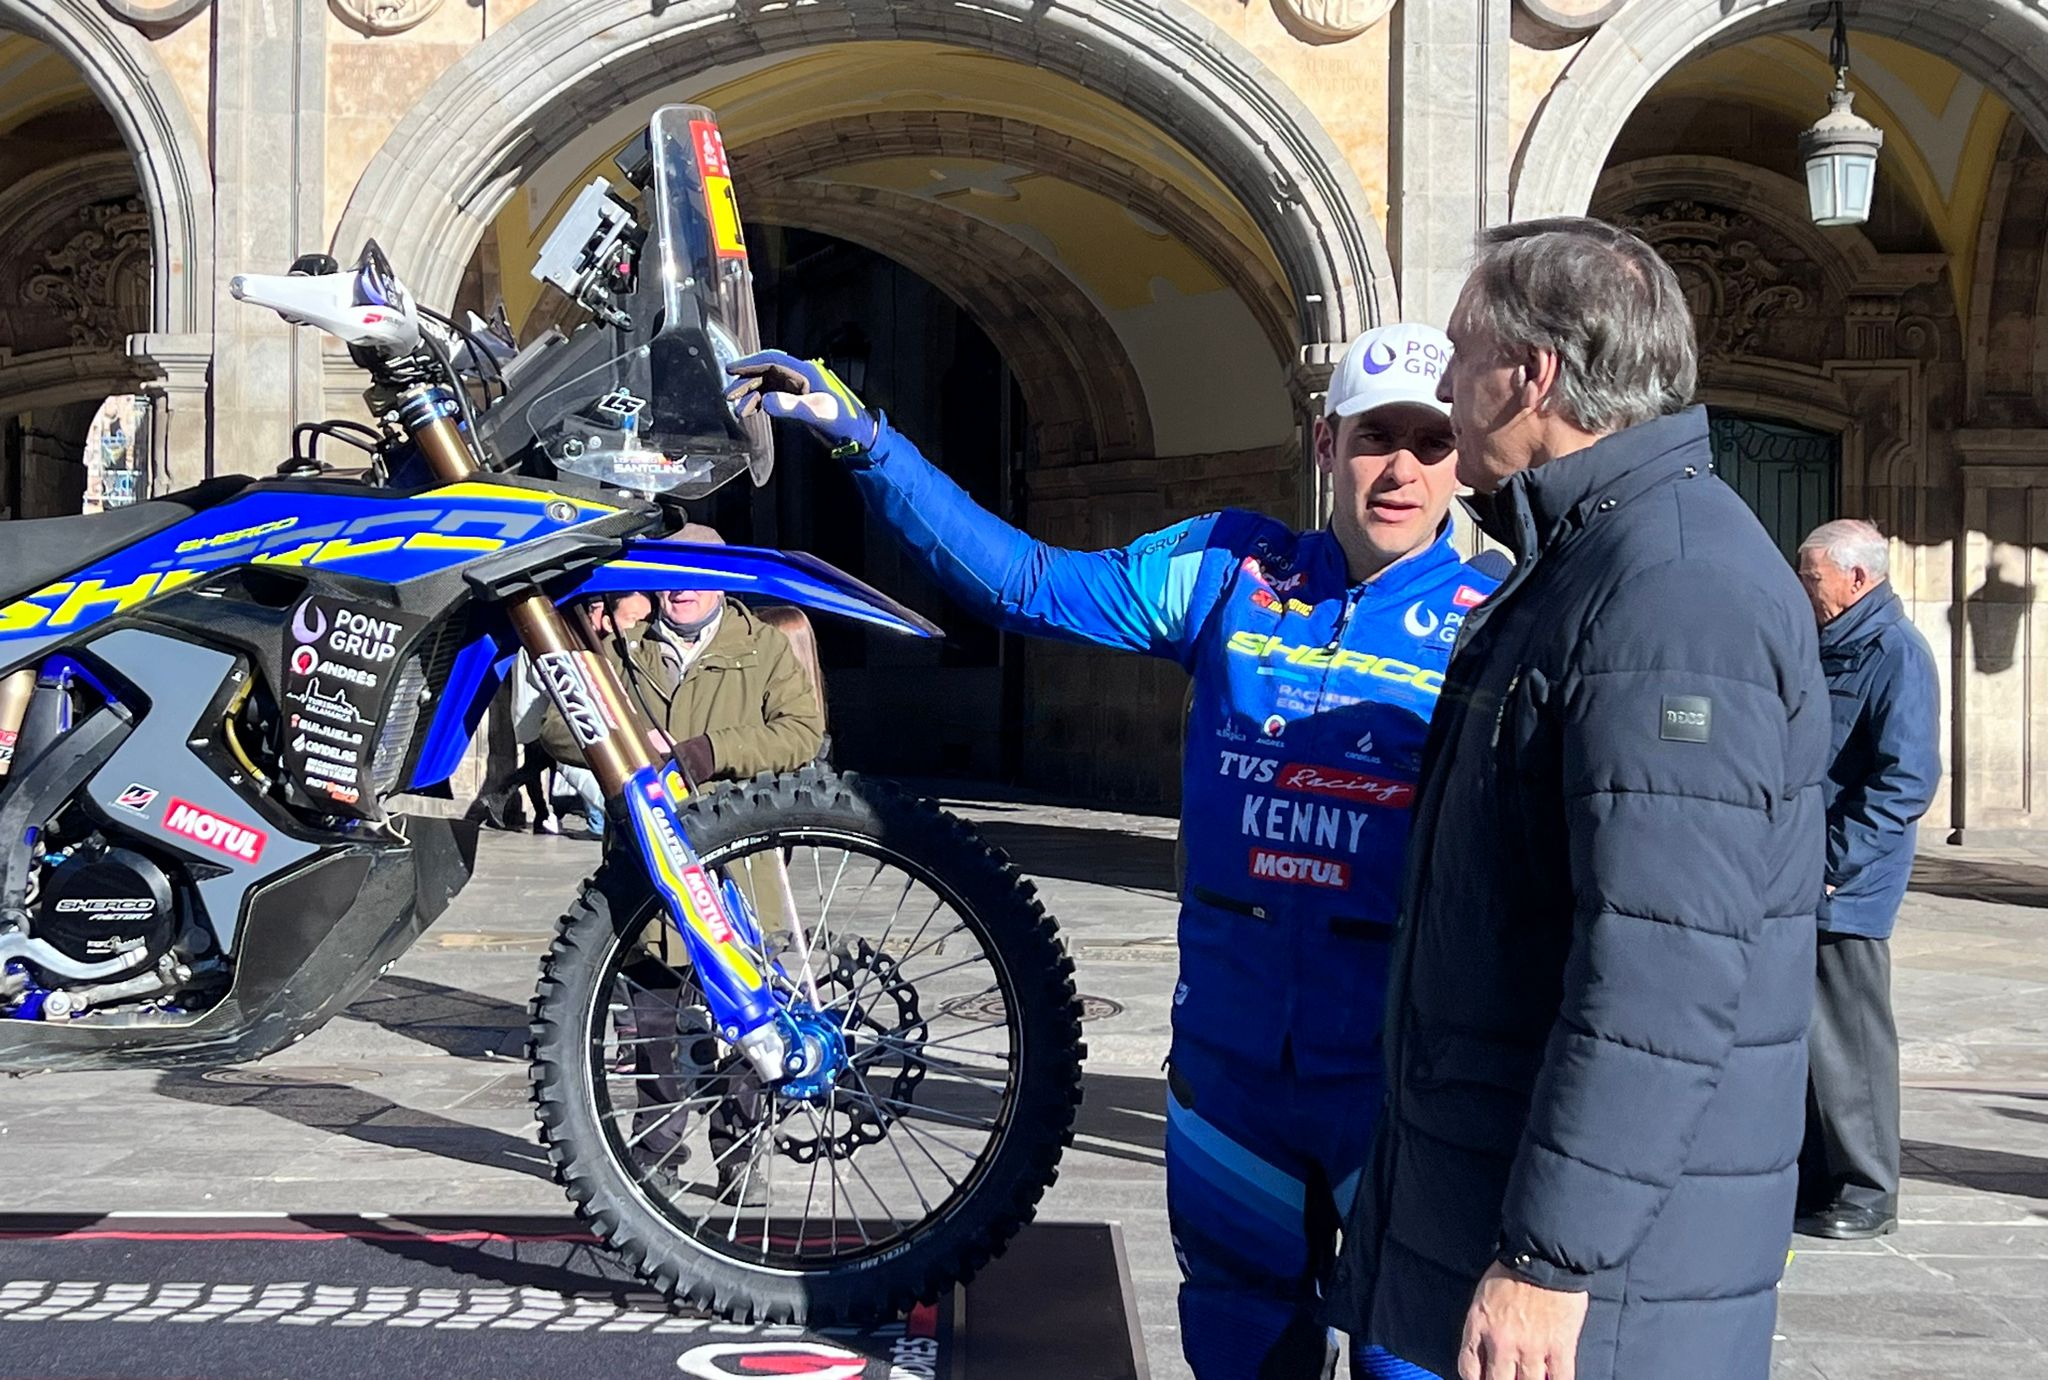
466, 1024
2000, 883
1123, 1117
364, 1116
1985, 1171
1099, 856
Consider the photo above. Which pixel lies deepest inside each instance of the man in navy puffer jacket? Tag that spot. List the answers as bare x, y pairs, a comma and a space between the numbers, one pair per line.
1596, 1036
1885, 700
1316, 658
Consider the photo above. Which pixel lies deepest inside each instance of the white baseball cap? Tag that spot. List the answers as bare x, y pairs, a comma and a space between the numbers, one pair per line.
1402, 363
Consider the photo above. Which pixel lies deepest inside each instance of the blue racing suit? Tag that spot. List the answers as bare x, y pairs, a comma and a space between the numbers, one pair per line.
1312, 695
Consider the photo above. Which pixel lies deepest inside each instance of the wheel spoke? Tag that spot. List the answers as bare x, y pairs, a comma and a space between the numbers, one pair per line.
860, 958
977, 1076
914, 1188
903, 1111
917, 1138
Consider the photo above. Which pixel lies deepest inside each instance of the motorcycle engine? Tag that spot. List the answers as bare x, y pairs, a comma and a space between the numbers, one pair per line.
103, 902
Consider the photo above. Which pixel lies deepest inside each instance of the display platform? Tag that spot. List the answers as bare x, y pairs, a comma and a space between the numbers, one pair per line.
269, 1297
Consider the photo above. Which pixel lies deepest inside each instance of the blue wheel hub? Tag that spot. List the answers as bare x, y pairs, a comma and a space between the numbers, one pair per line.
817, 1054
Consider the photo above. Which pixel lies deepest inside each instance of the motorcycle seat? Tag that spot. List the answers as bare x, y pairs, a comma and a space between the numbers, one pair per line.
36, 551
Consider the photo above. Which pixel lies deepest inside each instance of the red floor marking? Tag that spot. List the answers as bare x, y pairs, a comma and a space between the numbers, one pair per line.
435, 1237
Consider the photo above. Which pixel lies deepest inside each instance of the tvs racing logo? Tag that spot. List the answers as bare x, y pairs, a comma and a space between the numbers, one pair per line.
221, 835
1300, 868
1345, 785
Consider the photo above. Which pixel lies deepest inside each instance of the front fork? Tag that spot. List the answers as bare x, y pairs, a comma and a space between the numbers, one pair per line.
724, 941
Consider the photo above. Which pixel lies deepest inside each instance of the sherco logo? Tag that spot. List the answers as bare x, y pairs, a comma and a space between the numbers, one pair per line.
221, 835
1300, 868
1248, 643
1346, 785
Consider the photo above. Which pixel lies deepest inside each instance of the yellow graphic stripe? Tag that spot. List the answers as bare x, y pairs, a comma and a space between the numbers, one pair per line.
442, 541
668, 568
506, 493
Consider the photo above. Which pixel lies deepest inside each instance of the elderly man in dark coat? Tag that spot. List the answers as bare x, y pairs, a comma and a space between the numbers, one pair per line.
1884, 766
1596, 1036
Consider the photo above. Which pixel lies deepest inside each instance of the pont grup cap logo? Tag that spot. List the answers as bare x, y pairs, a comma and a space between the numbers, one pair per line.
1387, 365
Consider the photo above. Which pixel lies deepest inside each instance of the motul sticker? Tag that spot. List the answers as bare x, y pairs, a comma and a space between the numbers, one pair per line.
222, 835
137, 798
706, 903
1300, 868
1345, 785
1468, 597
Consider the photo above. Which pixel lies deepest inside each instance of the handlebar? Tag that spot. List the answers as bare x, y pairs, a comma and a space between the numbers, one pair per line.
365, 306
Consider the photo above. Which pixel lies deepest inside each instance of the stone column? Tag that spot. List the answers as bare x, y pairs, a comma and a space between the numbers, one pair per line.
1306, 385
176, 370
269, 123
1451, 153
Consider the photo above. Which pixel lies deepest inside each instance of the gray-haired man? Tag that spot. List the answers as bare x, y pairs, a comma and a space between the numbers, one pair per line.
1596, 1029
1886, 761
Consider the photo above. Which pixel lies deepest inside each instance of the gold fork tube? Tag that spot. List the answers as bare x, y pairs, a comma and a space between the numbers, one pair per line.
622, 743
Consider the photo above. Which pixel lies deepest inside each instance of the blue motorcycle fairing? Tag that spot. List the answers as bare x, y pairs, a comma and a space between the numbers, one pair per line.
785, 576
647, 566
374, 534
473, 680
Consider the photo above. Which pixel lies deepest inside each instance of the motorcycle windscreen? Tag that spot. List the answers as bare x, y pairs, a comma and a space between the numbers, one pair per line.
653, 417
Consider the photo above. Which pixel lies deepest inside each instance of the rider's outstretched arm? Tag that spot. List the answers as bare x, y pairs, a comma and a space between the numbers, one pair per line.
1145, 597
1139, 597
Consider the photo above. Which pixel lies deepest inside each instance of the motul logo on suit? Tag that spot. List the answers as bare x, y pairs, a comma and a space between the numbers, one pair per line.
221, 835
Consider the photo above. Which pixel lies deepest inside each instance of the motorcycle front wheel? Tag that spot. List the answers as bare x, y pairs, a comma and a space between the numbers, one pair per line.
943, 983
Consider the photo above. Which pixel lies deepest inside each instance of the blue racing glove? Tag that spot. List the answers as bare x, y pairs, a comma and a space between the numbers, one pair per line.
804, 390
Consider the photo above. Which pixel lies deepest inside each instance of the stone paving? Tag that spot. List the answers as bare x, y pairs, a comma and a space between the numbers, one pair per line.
416, 1100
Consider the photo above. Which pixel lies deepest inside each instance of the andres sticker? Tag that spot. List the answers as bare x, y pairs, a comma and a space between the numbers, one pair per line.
1686, 719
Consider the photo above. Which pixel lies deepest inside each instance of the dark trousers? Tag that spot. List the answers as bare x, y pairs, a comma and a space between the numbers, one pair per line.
1851, 1156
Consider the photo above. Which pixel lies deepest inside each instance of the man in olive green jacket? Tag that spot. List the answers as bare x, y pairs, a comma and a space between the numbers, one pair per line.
726, 688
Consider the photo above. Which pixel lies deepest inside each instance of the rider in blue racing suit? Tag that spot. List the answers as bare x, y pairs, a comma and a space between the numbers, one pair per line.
1317, 658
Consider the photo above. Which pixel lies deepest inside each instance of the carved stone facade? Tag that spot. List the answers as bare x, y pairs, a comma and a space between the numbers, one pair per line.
1740, 291
95, 277
1360, 144
1335, 20
376, 17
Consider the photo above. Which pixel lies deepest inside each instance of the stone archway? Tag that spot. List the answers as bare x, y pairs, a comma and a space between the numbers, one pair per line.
2003, 43
172, 169
829, 144
1082, 390
519, 96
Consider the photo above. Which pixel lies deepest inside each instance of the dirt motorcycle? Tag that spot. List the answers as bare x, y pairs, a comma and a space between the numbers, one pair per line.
803, 1048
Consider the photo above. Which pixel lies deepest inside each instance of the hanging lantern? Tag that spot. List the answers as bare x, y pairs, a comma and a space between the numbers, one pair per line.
1841, 149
